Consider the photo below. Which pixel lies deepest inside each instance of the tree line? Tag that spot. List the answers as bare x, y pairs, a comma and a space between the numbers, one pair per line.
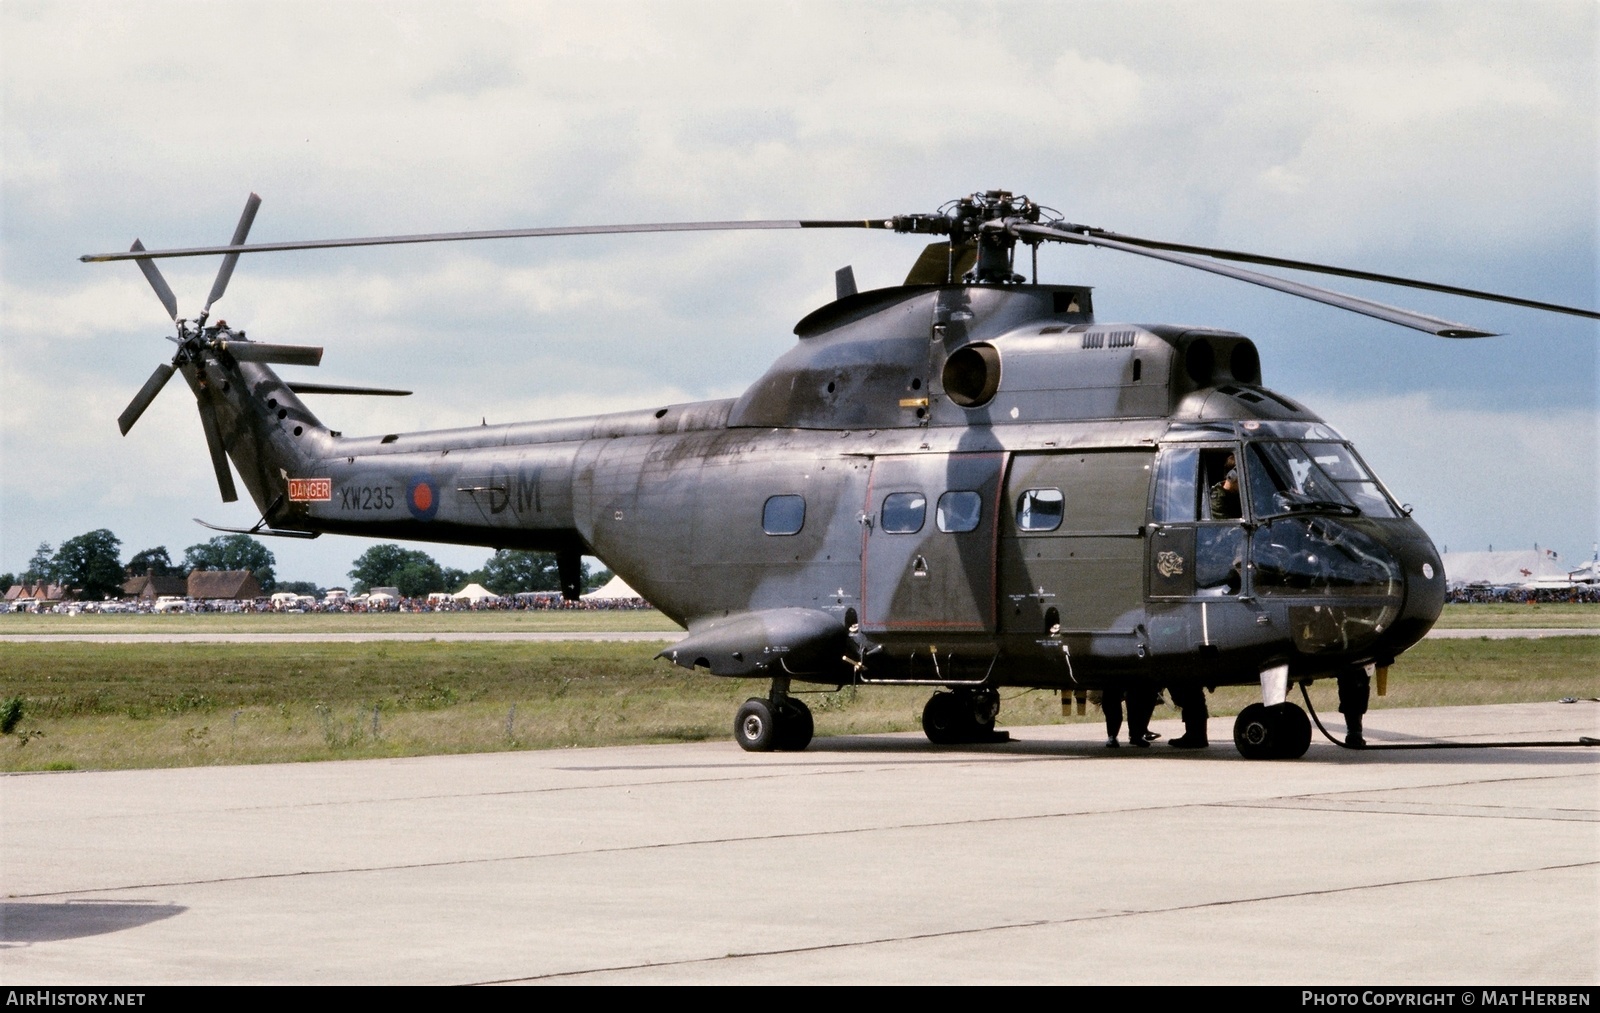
416, 574
91, 564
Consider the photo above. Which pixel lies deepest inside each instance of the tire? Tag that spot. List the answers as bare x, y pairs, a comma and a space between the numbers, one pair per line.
1272, 733
944, 721
1253, 733
755, 727
795, 726
1293, 732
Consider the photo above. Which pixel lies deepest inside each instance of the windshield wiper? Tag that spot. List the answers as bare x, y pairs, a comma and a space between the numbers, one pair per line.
1297, 503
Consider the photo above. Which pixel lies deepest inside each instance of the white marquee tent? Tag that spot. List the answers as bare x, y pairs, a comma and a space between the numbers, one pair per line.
1514, 568
614, 588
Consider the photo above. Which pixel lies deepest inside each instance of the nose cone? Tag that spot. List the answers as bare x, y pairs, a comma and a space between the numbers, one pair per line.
1423, 574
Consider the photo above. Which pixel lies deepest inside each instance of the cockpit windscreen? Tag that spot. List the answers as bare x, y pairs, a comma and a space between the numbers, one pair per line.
1286, 478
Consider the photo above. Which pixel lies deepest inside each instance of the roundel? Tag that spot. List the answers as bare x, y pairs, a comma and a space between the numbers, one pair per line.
422, 498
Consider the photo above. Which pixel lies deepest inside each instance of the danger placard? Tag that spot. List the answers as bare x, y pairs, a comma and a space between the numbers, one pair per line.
310, 490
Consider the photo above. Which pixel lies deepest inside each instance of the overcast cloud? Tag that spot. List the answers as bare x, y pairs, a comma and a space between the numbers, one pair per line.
1453, 141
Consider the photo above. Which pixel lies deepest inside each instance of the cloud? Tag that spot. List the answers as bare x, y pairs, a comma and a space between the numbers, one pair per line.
1478, 476
1438, 140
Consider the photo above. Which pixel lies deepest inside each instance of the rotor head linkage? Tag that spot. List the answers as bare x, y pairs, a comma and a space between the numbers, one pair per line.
980, 219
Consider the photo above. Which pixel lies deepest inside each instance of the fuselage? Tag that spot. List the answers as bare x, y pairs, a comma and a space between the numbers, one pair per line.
945, 484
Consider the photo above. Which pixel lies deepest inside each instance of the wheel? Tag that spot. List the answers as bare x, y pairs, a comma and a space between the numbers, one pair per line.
983, 706
944, 721
1293, 732
1272, 733
755, 727
795, 726
1253, 733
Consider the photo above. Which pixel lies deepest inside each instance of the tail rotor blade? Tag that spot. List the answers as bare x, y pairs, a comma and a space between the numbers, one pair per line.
142, 400
219, 455
240, 234
261, 351
152, 274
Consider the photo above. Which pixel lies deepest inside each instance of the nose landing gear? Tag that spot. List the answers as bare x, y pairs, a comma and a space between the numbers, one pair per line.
1272, 733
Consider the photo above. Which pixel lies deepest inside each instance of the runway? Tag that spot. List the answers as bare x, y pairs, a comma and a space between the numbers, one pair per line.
875, 859
670, 636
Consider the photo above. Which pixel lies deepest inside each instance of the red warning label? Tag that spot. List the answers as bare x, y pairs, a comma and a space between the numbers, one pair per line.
310, 490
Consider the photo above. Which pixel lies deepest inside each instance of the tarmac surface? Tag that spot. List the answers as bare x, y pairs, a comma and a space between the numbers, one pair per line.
871, 859
672, 636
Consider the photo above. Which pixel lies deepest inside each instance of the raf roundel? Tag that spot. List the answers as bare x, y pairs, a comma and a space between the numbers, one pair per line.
422, 498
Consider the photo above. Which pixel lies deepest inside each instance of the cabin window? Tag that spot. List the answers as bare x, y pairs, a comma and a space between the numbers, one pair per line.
783, 515
959, 511
904, 512
1040, 509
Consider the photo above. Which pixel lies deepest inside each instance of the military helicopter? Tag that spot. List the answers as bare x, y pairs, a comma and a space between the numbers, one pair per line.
964, 482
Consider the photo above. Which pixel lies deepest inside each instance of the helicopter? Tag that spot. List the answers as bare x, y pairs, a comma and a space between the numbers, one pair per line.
964, 482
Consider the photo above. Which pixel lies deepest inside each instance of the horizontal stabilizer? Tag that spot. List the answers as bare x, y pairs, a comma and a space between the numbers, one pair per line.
261, 351
279, 532
334, 388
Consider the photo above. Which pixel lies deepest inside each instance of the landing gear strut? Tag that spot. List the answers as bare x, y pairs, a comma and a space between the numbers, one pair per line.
962, 715
1272, 733
777, 722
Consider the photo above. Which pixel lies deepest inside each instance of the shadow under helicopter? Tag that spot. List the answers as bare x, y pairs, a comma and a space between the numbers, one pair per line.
23, 923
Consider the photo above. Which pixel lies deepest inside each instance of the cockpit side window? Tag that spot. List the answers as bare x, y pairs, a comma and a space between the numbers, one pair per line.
1224, 498
1175, 486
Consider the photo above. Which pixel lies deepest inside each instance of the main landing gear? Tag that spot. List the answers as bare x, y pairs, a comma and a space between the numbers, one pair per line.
778, 722
962, 715
1272, 733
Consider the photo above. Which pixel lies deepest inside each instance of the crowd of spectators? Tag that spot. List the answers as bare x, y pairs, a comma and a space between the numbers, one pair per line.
528, 601
1587, 594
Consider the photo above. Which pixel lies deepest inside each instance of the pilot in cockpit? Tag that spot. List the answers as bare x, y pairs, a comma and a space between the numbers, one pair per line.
1225, 494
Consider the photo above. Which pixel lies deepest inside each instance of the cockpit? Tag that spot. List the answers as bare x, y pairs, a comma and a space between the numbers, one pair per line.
1280, 511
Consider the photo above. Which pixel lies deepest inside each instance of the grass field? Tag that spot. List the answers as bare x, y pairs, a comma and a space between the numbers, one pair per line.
106, 706
1520, 617
533, 621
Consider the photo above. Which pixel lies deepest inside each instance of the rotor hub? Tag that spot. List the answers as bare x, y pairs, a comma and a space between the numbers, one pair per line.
981, 220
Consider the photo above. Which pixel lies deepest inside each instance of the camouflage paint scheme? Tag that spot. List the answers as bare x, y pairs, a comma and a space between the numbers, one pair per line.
1041, 397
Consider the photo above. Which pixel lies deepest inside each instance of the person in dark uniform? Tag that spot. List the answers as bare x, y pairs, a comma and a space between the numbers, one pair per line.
1190, 697
1141, 701
1355, 688
1224, 496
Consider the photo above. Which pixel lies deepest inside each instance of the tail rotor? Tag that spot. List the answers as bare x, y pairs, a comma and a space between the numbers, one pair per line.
196, 342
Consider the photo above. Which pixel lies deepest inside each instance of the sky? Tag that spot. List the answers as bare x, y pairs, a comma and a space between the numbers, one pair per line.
1455, 142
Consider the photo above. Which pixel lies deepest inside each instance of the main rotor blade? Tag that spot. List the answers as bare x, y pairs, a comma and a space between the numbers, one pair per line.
1355, 304
142, 400
1343, 272
239, 235
452, 237
152, 274
261, 351
219, 455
